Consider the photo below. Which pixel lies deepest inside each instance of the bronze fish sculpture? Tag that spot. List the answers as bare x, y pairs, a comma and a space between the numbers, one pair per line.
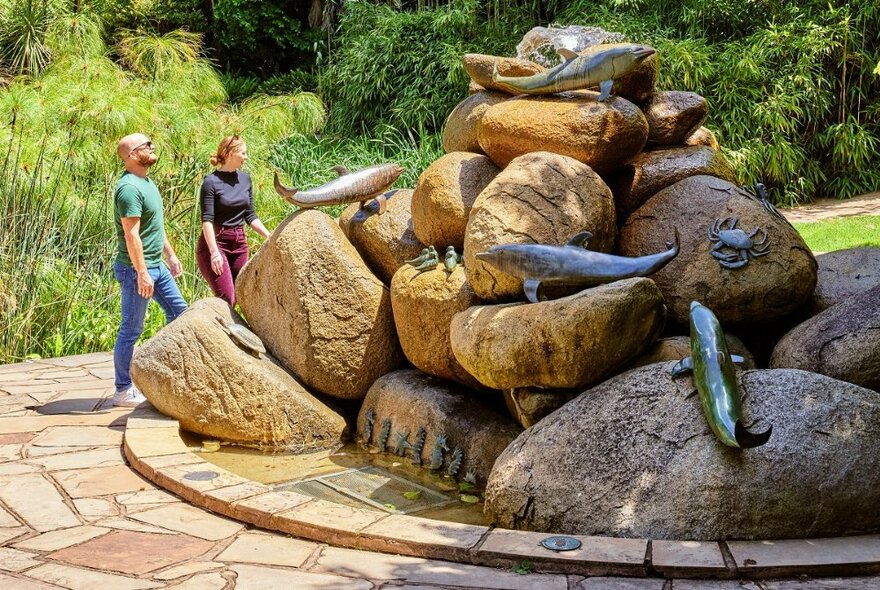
571, 264
601, 65
715, 380
350, 187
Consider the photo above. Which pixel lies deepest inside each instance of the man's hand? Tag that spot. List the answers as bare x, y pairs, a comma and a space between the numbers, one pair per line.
174, 266
145, 284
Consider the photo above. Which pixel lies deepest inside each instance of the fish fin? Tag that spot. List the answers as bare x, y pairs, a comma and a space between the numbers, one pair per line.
605, 89
685, 365
341, 170
566, 54
531, 286
674, 245
282, 190
579, 240
381, 200
737, 359
495, 71
748, 440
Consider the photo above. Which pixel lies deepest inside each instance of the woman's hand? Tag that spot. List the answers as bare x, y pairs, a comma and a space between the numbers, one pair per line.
217, 263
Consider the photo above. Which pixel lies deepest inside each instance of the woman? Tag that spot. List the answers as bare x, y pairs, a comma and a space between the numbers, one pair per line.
227, 203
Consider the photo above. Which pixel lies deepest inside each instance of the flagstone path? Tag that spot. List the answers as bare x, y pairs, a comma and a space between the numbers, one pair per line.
74, 515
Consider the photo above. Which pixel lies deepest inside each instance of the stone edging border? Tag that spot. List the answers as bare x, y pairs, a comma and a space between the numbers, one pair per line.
153, 446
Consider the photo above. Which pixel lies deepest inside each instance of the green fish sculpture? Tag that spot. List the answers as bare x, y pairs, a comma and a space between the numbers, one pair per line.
600, 66
715, 379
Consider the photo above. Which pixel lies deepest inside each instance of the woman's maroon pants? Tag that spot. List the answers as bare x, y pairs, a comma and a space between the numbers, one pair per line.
233, 247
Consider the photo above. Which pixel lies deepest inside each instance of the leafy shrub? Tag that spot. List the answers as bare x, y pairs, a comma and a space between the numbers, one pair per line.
302, 80
158, 16
404, 68
264, 36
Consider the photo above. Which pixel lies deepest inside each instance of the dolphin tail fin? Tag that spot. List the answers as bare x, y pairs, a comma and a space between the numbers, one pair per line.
748, 440
674, 245
531, 286
284, 191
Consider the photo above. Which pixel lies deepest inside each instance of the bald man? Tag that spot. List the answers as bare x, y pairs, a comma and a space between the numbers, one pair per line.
141, 242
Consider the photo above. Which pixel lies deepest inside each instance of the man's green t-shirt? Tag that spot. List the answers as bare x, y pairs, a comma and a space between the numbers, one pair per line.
138, 197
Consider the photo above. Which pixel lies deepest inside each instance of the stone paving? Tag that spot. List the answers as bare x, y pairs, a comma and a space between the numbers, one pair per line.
74, 515
867, 204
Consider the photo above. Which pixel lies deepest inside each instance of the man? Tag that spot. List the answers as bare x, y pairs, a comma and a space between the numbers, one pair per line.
141, 241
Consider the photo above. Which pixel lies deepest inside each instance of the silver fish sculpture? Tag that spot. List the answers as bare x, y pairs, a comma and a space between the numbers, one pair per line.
601, 65
350, 187
571, 264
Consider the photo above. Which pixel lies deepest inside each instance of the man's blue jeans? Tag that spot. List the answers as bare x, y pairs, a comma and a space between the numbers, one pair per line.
134, 310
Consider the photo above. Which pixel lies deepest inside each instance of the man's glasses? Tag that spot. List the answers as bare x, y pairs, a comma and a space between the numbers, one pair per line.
146, 144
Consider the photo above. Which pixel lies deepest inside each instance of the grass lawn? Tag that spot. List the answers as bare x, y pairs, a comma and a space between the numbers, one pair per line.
841, 233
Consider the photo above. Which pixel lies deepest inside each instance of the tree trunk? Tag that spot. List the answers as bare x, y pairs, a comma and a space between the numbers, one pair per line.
316, 14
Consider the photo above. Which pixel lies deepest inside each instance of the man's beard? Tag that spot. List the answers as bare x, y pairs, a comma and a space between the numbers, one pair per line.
147, 159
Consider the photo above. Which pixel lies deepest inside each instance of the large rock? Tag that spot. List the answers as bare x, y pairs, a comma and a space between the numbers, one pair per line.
385, 241
192, 371
642, 177
845, 273
424, 303
460, 129
445, 194
413, 400
479, 67
768, 287
634, 457
540, 198
568, 343
675, 348
319, 309
842, 342
674, 115
528, 405
703, 136
602, 135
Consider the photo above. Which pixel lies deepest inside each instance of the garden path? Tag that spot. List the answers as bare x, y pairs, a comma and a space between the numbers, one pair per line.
74, 515
867, 204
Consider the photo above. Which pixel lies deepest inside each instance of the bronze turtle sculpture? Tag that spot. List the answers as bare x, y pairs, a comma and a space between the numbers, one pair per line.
243, 337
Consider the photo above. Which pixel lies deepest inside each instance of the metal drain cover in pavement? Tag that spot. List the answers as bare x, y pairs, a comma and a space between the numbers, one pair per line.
373, 486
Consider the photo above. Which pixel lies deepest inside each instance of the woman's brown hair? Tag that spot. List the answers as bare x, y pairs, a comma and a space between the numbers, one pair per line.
226, 146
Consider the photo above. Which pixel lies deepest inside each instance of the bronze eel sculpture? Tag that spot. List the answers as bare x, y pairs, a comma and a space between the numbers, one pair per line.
601, 65
715, 379
353, 187
571, 264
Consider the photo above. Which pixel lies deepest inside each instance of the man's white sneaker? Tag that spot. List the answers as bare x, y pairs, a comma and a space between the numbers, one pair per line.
128, 398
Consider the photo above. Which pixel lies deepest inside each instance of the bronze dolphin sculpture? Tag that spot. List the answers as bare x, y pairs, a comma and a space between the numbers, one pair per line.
601, 65
571, 264
350, 187
715, 379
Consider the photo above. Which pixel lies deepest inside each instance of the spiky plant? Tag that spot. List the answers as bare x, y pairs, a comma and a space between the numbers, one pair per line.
156, 56
23, 27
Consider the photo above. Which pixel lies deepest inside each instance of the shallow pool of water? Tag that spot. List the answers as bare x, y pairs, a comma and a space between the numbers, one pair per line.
354, 476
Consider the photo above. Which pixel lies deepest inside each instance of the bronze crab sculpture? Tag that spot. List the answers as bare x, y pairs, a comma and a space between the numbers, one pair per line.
725, 234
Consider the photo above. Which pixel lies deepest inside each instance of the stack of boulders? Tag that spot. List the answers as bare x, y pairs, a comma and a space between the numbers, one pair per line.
449, 358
